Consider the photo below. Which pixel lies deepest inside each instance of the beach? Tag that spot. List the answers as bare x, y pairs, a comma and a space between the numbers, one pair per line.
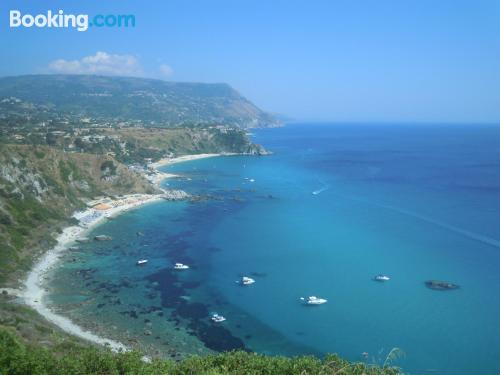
34, 291
180, 159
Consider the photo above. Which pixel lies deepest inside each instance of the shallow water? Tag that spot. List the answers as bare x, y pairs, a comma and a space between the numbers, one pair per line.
333, 206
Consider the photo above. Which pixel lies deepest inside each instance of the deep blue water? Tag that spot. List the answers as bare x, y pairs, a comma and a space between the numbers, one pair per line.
415, 202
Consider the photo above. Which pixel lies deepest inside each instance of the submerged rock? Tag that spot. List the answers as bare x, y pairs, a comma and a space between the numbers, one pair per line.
103, 237
440, 285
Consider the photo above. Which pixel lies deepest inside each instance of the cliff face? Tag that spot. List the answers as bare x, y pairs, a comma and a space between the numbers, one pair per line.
40, 187
158, 142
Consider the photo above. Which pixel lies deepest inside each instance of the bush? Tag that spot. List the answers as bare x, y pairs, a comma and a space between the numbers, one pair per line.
16, 358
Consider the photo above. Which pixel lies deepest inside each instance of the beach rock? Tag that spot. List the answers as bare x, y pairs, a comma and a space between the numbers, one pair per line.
440, 285
103, 237
174, 195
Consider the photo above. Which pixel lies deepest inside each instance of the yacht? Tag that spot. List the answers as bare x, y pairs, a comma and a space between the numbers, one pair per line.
180, 266
216, 318
381, 278
246, 281
313, 300
141, 262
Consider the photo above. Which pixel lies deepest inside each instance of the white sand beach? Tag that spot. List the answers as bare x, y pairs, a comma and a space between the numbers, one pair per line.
180, 159
34, 291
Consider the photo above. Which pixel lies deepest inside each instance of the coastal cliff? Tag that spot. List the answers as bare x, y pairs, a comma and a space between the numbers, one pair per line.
40, 187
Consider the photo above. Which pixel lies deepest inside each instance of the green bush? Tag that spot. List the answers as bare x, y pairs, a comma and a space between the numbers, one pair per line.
18, 359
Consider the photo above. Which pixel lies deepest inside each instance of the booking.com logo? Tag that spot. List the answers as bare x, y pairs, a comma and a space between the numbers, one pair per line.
80, 22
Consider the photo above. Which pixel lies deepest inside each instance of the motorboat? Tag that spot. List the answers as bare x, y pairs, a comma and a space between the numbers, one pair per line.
216, 318
246, 281
313, 300
180, 266
142, 262
381, 278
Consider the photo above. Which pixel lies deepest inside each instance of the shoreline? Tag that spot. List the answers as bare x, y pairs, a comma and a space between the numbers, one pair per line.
34, 290
181, 159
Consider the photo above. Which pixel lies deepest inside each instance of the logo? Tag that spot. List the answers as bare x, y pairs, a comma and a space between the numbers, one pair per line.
80, 22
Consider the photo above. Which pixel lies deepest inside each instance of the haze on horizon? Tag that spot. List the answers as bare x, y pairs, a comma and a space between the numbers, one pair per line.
413, 61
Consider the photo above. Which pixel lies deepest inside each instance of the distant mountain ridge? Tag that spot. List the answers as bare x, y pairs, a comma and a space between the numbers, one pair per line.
154, 102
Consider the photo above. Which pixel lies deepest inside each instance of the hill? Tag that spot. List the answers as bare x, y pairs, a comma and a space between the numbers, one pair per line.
40, 187
148, 102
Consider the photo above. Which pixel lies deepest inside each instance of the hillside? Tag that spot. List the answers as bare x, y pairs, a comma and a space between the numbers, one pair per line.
18, 358
147, 101
41, 186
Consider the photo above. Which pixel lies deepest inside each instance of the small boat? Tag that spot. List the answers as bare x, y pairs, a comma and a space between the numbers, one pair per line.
216, 318
180, 266
246, 281
381, 278
251, 180
313, 300
141, 262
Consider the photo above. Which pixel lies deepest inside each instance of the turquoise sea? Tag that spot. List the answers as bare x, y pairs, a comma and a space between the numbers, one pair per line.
415, 202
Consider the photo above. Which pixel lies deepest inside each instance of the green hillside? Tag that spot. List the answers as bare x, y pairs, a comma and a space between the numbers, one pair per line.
148, 101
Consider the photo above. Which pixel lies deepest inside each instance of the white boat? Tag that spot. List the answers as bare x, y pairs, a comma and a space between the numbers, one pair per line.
141, 262
313, 300
217, 318
381, 278
180, 266
246, 281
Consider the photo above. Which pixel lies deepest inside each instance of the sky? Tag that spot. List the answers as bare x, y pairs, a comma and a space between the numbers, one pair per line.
348, 60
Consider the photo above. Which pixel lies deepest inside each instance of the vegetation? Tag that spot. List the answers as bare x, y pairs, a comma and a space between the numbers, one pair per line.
64, 140
18, 358
40, 187
142, 101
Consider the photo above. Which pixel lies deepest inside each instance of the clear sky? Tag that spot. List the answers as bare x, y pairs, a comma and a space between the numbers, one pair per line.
372, 60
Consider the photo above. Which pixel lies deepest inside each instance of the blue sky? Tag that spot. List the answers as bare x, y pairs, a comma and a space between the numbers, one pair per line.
411, 61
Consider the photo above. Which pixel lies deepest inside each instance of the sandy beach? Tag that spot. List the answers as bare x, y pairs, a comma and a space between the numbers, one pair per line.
34, 291
180, 159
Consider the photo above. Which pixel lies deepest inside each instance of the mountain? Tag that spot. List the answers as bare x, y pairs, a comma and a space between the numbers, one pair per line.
150, 102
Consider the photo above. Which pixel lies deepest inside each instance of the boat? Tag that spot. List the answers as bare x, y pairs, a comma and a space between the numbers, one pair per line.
180, 266
216, 318
381, 278
313, 300
246, 281
141, 262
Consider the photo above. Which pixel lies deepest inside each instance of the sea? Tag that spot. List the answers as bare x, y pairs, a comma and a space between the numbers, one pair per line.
333, 206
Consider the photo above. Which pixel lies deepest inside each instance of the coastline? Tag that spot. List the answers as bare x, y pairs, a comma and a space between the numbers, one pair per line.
35, 291
180, 159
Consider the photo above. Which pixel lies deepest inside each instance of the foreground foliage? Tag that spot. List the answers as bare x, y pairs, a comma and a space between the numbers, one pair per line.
18, 358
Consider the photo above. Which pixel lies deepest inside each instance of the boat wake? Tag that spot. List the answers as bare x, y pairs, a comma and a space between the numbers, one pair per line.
322, 189
464, 232
319, 191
